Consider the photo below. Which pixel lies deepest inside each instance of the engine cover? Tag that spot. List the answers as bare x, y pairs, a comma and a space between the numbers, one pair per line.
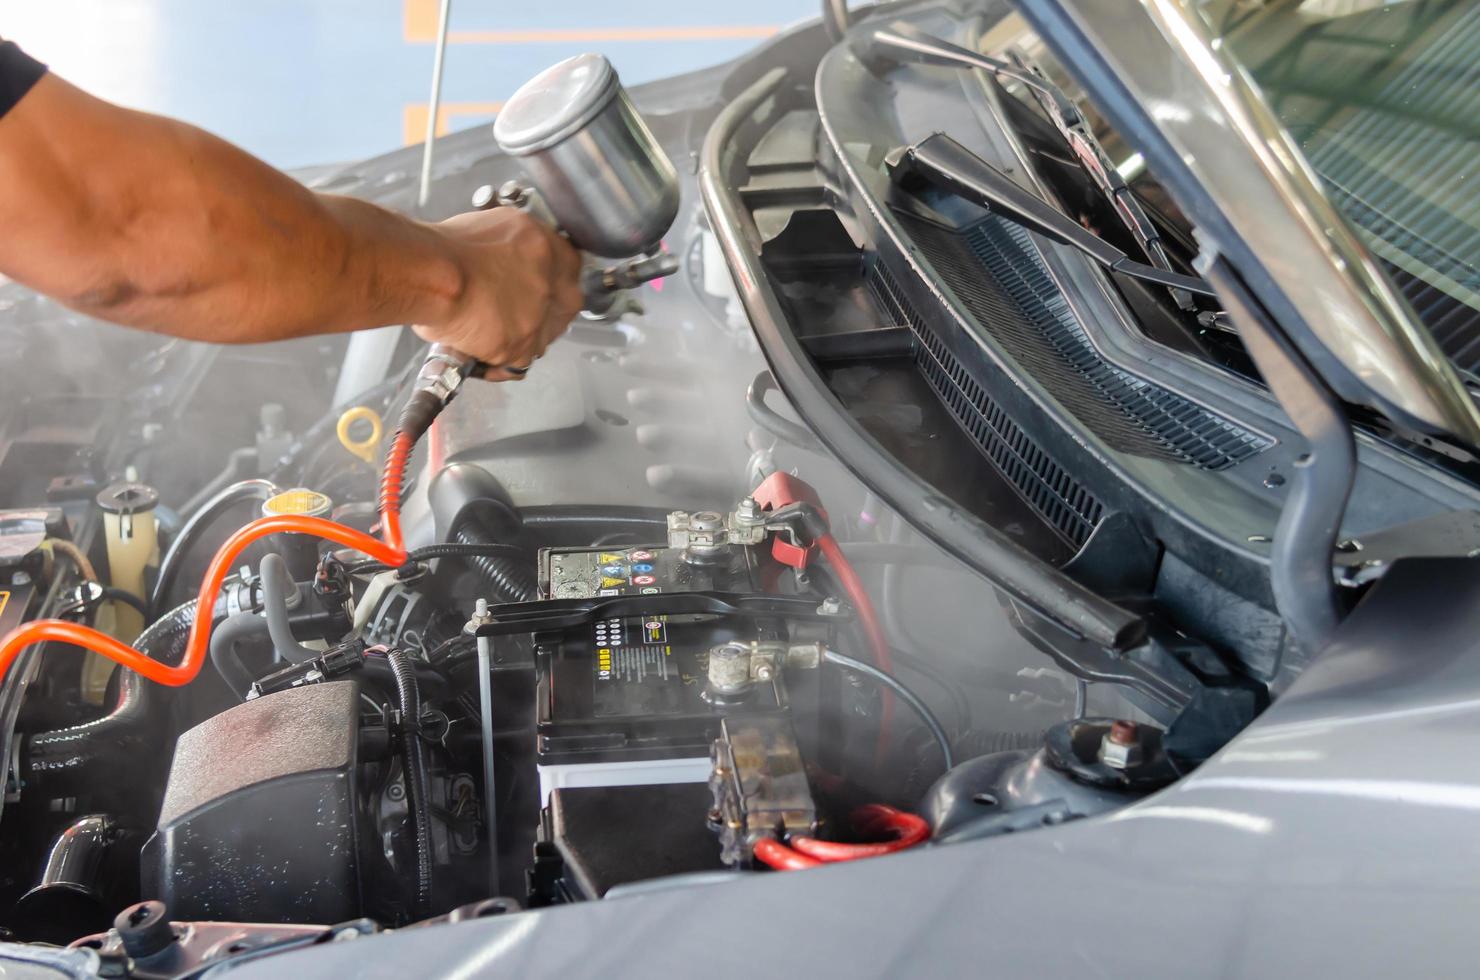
259, 822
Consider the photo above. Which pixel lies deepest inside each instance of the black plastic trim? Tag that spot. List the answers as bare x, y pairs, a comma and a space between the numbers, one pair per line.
1020, 574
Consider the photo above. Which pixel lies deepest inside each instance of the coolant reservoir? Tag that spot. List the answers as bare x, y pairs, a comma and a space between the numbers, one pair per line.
300, 551
132, 536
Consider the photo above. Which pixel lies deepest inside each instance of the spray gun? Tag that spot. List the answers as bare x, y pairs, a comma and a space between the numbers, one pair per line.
594, 171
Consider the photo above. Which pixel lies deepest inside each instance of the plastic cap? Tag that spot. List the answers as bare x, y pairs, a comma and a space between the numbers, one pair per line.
304, 503
555, 104
128, 498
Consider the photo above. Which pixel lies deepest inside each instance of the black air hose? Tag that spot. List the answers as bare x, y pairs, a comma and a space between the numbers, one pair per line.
568, 517
777, 425
201, 520
121, 740
236, 629
418, 791
276, 581
509, 579
165, 638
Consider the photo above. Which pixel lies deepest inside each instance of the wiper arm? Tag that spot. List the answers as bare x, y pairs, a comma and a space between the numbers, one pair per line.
946, 164
902, 42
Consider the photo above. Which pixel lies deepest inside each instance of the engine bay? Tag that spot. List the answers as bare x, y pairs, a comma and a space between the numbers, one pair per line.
605, 630
542, 705
322, 639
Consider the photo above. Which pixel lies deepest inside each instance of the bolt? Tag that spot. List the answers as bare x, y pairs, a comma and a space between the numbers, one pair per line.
395, 792
513, 194
830, 607
144, 929
1121, 746
479, 618
748, 510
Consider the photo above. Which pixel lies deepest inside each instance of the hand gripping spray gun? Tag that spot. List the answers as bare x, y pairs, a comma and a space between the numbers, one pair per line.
594, 171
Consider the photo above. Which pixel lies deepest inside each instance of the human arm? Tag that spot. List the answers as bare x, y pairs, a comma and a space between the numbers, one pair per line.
153, 223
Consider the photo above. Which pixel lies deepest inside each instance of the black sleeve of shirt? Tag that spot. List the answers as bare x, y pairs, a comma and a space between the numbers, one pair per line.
18, 72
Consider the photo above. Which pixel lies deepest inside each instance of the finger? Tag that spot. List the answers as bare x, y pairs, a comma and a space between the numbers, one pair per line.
504, 373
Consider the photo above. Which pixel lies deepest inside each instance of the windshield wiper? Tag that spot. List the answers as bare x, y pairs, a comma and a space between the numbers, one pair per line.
902, 42
944, 163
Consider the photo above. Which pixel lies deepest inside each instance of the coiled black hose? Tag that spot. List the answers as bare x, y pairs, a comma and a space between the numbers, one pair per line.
201, 520
431, 551
418, 789
508, 578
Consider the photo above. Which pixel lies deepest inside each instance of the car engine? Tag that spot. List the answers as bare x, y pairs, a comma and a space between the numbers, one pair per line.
609, 629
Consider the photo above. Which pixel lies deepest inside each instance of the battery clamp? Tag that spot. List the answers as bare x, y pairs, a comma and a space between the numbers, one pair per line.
783, 508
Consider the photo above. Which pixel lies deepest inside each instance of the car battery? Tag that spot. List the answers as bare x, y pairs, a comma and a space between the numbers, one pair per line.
622, 701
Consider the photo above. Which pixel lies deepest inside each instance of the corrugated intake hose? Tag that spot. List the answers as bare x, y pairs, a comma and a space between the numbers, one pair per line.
508, 579
418, 790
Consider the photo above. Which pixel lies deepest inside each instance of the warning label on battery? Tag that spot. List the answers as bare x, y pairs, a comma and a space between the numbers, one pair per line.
641, 679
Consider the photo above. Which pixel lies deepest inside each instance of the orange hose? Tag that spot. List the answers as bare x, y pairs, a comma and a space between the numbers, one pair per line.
390, 489
196, 646
391, 550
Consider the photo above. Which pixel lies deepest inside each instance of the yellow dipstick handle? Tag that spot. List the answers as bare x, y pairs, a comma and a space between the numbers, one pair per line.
364, 448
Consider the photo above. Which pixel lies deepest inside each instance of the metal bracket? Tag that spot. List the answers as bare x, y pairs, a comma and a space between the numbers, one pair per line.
560, 614
1300, 560
1452, 534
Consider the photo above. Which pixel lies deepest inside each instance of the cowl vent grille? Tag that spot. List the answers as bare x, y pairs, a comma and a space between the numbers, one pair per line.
998, 276
1057, 497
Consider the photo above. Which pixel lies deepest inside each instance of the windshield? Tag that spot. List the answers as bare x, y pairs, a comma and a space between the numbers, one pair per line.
1383, 98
